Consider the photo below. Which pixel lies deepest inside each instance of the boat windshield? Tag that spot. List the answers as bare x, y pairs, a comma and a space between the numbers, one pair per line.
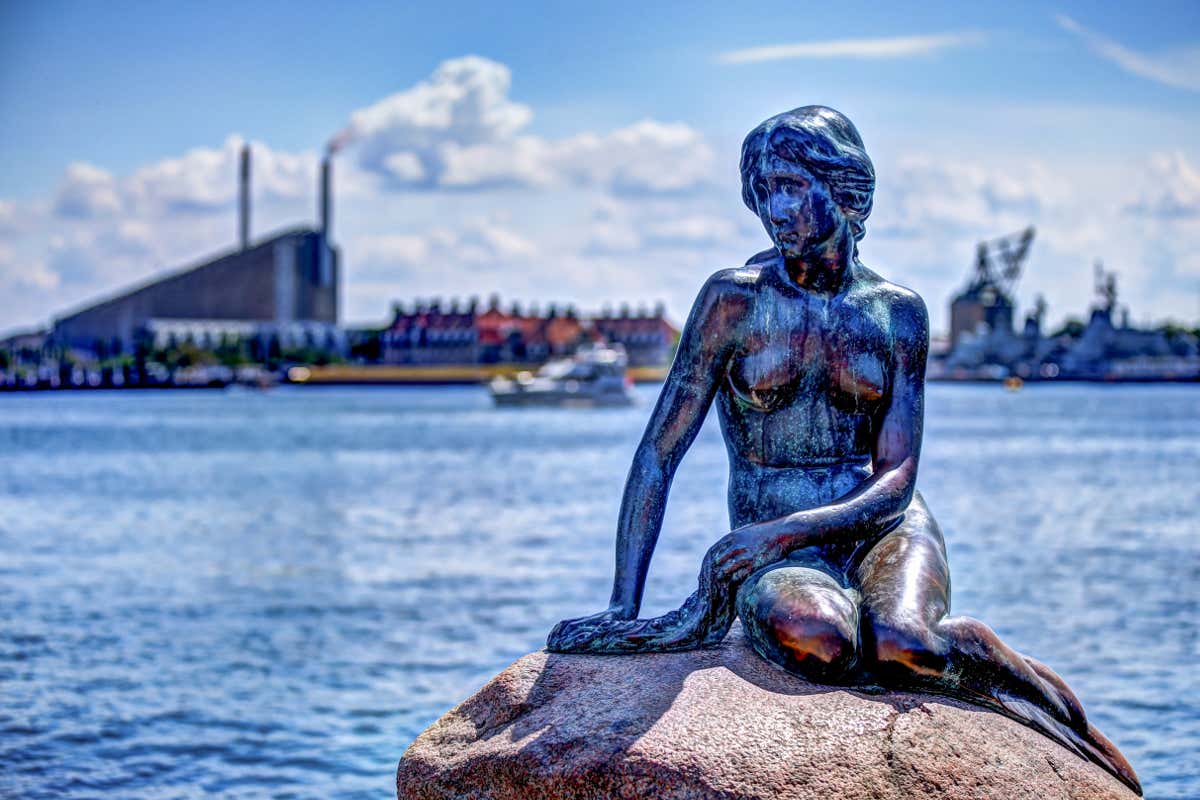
590, 368
558, 369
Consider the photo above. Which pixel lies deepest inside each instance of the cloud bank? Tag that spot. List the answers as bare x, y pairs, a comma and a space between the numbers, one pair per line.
460, 130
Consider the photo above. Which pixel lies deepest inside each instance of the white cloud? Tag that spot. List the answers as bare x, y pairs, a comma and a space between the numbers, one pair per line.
612, 237
478, 243
406, 136
1164, 226
405, 167
877, 48
1176, 68
84, 257
922, 196
13, 219
646, 157
523, 161
87, 191
699, 230
274, 174
628, 225
1171, 189
408, 250
19, 274
204, 179
460, 130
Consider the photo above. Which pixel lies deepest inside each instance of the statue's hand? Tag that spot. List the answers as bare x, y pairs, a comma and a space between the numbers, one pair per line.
740, 553
574, 634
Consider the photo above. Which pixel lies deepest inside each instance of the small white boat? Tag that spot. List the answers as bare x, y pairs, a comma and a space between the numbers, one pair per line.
593, 377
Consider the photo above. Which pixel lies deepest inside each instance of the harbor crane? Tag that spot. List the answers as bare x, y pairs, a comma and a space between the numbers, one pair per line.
987, 302
998, 262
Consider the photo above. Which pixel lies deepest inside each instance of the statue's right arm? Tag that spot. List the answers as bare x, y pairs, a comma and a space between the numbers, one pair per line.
700, 362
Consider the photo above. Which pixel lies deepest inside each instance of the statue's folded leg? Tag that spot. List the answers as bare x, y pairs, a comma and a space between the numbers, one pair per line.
909, 642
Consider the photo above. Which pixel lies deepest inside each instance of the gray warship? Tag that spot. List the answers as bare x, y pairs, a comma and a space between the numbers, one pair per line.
985, 346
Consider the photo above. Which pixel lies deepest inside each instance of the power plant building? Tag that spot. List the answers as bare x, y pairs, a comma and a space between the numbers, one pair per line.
285, 286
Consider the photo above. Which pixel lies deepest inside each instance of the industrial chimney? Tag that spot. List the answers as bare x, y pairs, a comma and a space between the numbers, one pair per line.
326, 198
325, 277
244, 198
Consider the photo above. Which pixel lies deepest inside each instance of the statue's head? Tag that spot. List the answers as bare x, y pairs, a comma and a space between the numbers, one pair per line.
804, 173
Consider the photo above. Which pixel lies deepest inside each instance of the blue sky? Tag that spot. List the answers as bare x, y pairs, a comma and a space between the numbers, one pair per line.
589, 153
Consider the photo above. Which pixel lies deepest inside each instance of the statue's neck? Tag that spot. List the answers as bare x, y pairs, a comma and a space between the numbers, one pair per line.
827, 266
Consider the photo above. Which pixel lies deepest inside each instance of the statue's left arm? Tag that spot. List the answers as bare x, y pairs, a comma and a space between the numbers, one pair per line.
880, 501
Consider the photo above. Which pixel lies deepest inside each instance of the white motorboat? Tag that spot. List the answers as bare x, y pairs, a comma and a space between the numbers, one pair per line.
593, 377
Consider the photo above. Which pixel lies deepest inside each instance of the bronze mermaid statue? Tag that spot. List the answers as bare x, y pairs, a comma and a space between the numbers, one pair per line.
834, 564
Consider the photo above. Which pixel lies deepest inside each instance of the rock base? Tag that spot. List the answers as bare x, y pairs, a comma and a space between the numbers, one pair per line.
724, 723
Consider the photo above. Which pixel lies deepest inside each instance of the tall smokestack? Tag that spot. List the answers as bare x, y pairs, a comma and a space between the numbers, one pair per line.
326, 197
244, 198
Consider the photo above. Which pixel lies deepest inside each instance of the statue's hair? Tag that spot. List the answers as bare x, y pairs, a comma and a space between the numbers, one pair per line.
825, 143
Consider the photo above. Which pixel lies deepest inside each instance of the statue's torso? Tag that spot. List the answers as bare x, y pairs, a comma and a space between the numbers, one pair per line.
802, 395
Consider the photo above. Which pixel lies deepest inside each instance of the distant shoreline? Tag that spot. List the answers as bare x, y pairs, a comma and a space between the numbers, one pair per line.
429, 381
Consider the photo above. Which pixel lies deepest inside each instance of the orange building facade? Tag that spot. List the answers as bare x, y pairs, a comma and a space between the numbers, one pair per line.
467, 333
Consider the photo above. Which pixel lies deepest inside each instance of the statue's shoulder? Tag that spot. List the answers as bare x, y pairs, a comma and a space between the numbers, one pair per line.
904, 307
724, 300
730, 285
737, 277
873, 288
742, 281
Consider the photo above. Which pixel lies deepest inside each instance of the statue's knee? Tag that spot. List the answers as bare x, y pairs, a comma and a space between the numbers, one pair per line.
818, 647
802, 634
899, 646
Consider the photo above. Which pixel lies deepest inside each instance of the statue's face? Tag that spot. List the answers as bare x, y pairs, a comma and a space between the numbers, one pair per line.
796, 208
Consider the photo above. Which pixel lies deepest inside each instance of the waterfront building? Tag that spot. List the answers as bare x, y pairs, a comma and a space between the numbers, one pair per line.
430, 332
26, 346
20, 354
210, 334
280, 285
648, 338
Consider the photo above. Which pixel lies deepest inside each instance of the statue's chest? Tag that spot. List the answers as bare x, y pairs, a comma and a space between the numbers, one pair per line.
810, 353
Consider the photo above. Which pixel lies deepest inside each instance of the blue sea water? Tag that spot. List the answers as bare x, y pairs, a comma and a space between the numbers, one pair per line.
270, 595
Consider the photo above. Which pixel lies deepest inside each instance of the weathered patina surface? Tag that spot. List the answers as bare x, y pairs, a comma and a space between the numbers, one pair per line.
816, 365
